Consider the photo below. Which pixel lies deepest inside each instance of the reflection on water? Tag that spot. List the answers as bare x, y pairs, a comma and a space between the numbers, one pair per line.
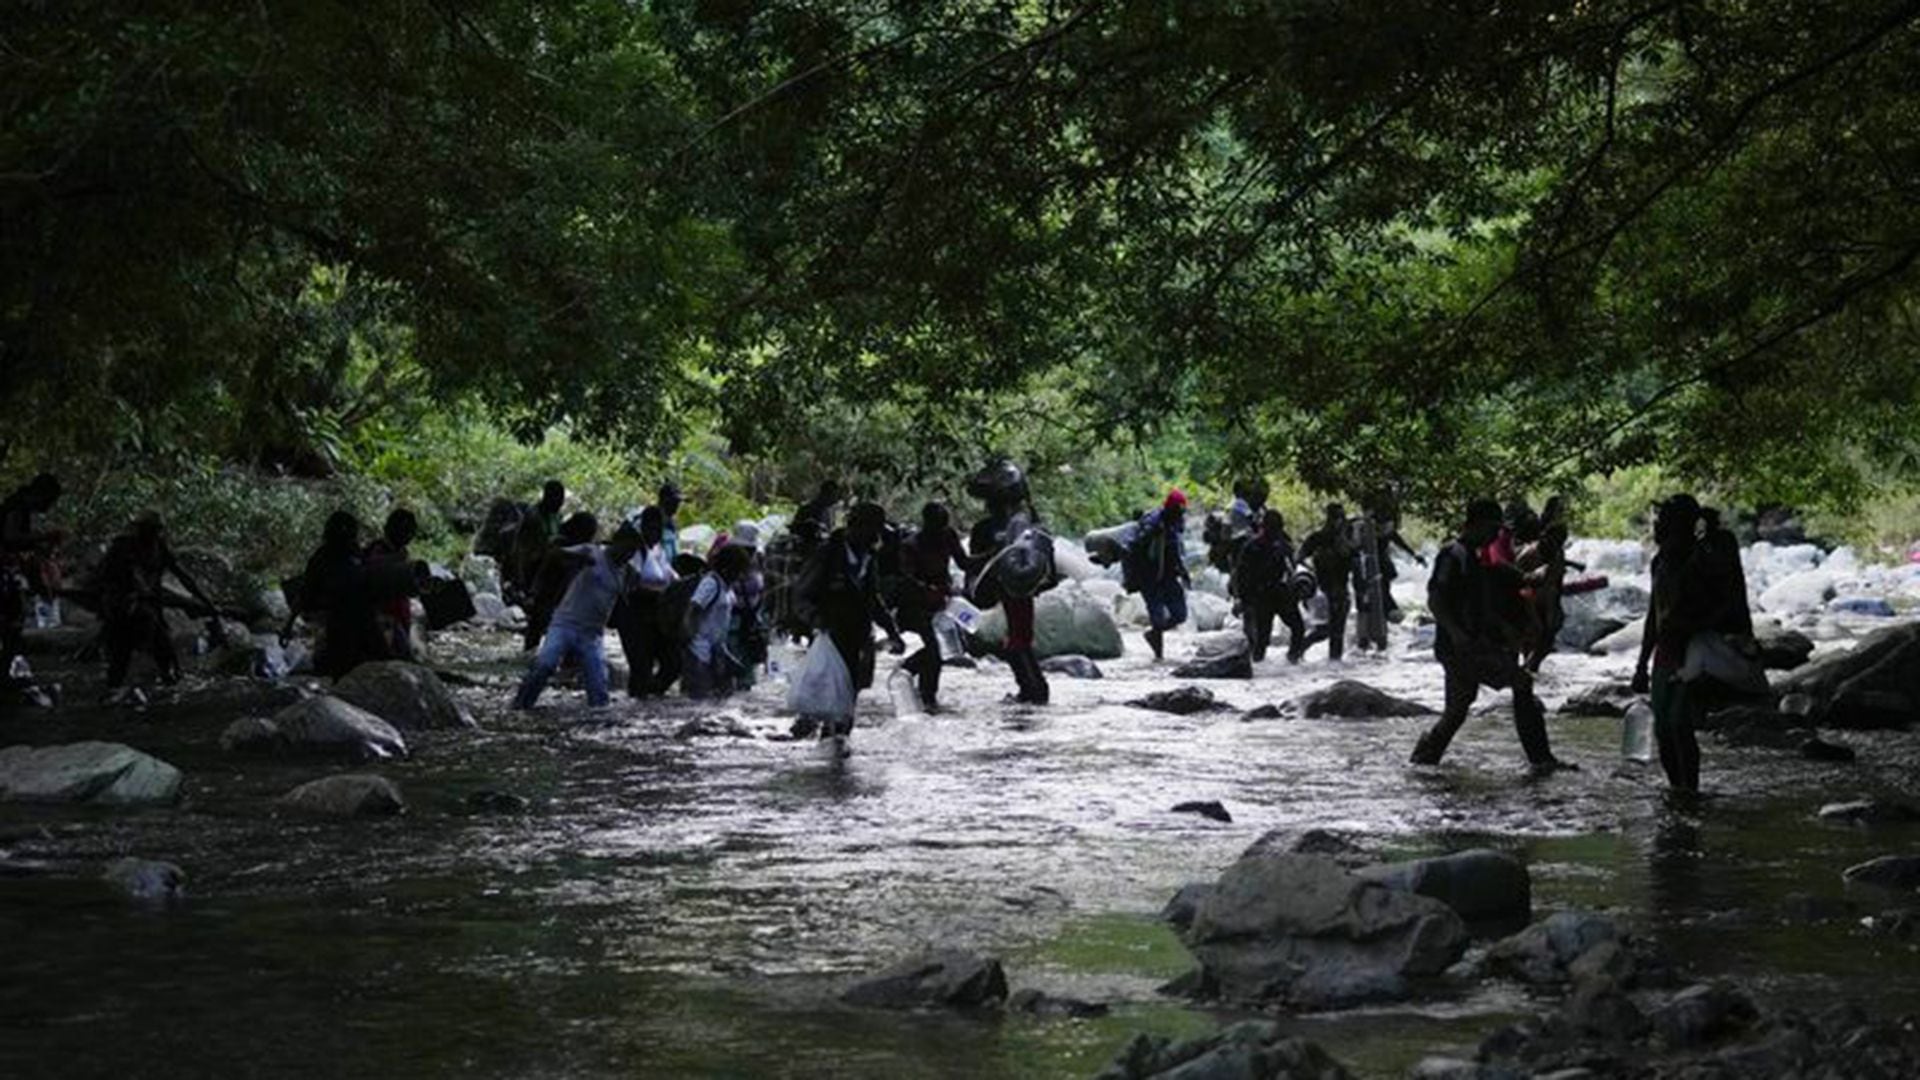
691, 907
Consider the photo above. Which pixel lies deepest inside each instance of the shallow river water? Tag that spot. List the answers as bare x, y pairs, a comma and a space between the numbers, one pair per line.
692, 907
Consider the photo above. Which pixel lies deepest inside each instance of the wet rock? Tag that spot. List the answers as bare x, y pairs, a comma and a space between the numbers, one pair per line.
1602, 701
1182, 701
1068, 621
1809, 909
1301, 931
1207, 612
94, 773
351, 795
1763, 735
1581, 632
1872, 606
1046, 1006
1072, 667
1782, 649
1784, 1052
1817, 749
1624, 640
490, 610
482, 575
1702, 1013
1599, 1008
1902, 924
723, 726
1253, 1050
497, 802
256, 657
1886, 660
1610, 960
1308, 842
1210, 809
952, 979
1263, 712
1219, 643
322, 725
1858, 708
1799, 594
1479, 885
1185, 904
1543, 953
408, 696
146, 881
1871, 812
1442, 1068
1232, 666
1356, 700
1887, 872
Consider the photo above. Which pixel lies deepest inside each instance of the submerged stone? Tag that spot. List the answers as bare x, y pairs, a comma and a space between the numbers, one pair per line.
951, 979
95, 773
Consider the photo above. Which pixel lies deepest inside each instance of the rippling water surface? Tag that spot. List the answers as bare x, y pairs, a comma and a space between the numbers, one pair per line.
692, 907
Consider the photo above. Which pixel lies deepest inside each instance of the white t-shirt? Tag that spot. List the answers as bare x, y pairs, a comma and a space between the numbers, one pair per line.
712, 615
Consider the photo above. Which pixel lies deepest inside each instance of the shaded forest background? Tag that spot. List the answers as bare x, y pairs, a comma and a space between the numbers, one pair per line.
259, 259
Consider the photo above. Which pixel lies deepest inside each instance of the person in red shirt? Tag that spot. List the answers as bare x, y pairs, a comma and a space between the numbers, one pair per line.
395, 614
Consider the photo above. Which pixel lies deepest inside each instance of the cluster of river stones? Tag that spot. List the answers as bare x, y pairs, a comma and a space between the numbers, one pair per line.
1300, 923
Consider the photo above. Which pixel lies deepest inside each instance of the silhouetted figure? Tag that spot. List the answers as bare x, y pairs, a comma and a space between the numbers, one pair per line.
131, 578
653, 656
578, 628
27, 567
1331, 552
395, 616
1156, 568
838, 594
929, 559
668, 501
710, 668
1002, 486
1263, 582
1476, 645
814, 521
555, 574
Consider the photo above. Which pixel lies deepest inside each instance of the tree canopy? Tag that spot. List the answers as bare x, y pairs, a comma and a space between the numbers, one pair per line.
1446, 245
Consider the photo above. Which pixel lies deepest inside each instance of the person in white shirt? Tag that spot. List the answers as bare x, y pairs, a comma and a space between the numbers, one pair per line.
709, 667
653, 661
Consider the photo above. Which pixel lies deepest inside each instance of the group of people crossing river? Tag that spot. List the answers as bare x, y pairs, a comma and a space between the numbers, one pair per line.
703, 621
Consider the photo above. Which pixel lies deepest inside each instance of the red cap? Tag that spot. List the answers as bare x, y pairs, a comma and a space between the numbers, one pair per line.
1176, 499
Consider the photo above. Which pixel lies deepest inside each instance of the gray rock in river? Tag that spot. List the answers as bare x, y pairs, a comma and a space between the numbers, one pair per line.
146, 881
352, 795
1206, 808
1544, 954
1185, 904
1481, 886
1073, 667
1351, 699
951, 979
1871, 812
1285, 841
1252, 1050
94, 773
1301, 931
1580, 632
1445, 1068
1887, 872
1231, 666
723, 726
1047, 1007
321, 726
1885, 661
1181, 701
1782, 649
1702, 1013
1605, 701
408, 696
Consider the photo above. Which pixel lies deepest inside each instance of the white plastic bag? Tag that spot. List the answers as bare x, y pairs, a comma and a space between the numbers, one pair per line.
823, 686
1713, 656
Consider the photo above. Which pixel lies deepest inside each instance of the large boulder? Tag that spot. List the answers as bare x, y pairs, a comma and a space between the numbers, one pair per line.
408, 696
1897, 872
1355, 700
1799, 594
1546, 953
952, 979
94, 773
322, 725
1582, 631
1207, 612
352, 795
1624, 640
1070, 561
1068, 621
1299, 930
1251, 1050
1874, 684
1481, 886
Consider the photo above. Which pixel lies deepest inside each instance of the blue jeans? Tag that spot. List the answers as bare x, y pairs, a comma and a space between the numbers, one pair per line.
561, 642
1166, 603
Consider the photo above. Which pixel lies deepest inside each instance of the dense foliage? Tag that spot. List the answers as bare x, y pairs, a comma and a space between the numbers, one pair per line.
1443, 245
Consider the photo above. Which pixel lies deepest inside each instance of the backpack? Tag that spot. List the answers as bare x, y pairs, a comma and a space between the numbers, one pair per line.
1137, 564
674, 603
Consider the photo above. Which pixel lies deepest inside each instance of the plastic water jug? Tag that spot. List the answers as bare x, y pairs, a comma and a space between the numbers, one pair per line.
1636, 733
905, 695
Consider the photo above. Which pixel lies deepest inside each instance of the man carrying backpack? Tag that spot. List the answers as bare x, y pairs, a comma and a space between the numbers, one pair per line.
1156, 568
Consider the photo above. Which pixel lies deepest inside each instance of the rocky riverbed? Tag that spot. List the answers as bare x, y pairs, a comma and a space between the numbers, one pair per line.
671, 888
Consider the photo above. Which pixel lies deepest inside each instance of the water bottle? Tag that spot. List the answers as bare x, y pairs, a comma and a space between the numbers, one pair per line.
46, 613
906, 696
1636, 733
20, 670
